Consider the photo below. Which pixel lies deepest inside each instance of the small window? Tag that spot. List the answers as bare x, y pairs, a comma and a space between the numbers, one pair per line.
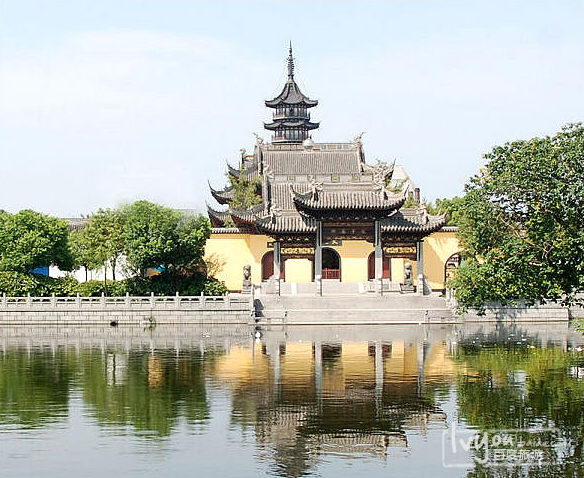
356, 177
335, 178
291, 177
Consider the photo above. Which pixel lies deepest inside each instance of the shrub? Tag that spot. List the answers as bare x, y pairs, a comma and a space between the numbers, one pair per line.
60, 286
91, 288
94, 288
18, 284
214, 287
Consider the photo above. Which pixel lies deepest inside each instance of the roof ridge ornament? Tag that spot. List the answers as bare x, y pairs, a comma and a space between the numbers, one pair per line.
423, 210
315, 187
290, 63
259, 139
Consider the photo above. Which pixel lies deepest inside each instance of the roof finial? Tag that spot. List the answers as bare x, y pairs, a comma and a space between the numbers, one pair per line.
290, 63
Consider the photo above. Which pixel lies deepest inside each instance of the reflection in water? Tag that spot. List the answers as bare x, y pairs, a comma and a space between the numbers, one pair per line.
304, 394
148, 390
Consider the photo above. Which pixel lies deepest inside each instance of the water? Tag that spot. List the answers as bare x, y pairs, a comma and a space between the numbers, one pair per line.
284, 401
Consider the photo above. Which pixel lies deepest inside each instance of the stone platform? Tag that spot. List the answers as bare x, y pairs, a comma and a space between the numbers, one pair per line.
351, 309
392, 307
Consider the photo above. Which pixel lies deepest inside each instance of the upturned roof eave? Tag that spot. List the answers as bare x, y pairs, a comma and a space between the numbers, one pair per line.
290, 124
283, 101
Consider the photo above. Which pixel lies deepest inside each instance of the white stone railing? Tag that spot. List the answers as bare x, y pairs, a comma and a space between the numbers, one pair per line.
231, 302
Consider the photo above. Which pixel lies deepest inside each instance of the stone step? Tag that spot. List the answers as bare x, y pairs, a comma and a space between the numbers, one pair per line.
389, 308
353, 316
329, 287
388, 301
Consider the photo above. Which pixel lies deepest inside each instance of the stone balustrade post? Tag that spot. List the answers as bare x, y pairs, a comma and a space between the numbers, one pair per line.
78, 300
53, 300
4, 301
102, 300
28, 300
177, 300
152, 301
127, 300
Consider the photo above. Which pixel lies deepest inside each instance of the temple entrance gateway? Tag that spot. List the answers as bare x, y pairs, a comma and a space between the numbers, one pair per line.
331, 264
311, 195
268, 266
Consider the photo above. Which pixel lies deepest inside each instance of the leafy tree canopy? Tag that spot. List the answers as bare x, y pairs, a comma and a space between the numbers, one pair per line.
103, 238
245, 192
159, 236
30, 239
449, 207
520, 223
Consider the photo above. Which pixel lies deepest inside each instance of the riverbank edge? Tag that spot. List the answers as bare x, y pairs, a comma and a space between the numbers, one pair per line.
243, 309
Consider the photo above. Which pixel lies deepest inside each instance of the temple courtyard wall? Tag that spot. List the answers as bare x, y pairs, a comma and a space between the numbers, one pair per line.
232, 250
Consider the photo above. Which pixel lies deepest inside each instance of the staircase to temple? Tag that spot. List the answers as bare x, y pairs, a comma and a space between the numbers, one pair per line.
329, 287
392, 307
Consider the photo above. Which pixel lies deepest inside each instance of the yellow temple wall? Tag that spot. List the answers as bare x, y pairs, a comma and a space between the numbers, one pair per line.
236, 250
354, 256
298, 270
438, 247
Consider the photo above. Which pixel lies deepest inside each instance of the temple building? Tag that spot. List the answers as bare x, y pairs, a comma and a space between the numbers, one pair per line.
319, 215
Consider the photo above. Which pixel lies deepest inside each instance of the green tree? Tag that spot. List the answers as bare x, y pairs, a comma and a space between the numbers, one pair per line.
82, 254
193, 233
520, 223
245, 192
449, 207
30, 239
103, 240
158, 236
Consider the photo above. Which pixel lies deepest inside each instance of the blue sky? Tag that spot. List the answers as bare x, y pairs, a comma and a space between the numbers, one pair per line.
108, 102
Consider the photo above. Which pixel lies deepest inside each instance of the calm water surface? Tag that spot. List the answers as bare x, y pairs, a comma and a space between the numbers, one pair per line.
284, 401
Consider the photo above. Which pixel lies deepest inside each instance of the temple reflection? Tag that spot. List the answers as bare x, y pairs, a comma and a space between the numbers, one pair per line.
301, 394
305, 399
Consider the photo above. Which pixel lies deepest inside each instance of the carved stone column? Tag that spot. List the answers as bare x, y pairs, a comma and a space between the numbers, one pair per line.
318, 259
420, 261
277, 266
378, 258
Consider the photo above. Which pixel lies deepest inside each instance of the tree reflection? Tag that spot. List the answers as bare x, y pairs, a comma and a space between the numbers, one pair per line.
149, 391
520, 386
35, 385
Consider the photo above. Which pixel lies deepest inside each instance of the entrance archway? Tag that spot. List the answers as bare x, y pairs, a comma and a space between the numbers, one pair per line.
371, 267
331, 264
450, 267
268, 266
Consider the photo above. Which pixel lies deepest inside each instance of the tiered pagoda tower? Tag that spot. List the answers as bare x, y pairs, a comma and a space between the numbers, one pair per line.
318, 194
291, 119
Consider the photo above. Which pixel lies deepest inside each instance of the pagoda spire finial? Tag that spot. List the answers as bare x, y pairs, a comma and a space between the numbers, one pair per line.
290, 63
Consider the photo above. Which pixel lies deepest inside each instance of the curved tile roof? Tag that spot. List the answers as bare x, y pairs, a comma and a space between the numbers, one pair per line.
217, 218
223, 196
286, 223
348, 200
247, 217
412, 221
291, 95
313, 161
290, 124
